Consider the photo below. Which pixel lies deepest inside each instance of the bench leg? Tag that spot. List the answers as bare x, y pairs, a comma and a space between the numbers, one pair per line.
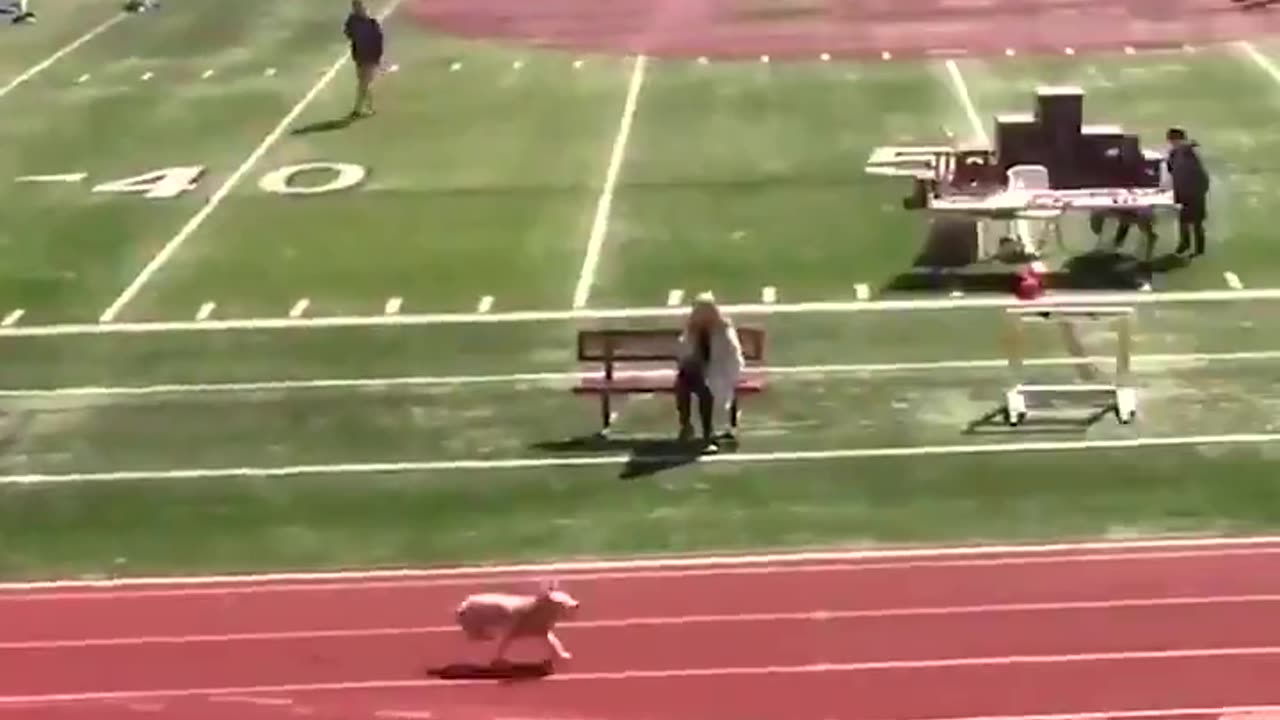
606, 414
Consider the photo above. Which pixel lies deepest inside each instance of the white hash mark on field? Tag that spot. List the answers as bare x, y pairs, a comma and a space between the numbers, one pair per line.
13, 317
744, 458
63, 52
299, 308
966, 101
205, 311
219, 195
393, 306
485, 304
600, 224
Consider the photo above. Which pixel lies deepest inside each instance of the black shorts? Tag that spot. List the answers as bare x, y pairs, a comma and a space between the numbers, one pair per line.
1192, 211
366, 59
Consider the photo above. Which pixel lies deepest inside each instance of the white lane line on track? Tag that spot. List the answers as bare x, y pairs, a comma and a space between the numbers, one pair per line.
871, 559
1267, 651
816, 615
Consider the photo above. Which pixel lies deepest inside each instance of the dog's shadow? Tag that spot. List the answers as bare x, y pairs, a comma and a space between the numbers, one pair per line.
504, 672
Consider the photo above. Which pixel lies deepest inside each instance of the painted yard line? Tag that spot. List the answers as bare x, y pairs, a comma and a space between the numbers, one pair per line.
966, 100
745, 309
564, 376
1262, 61
674, 673
61, 53
64, 178
219, 195
600, 224
814, 615
528, 463
661, 566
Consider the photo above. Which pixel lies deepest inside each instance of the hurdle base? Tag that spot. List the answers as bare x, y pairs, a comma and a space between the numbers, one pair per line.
1124, 399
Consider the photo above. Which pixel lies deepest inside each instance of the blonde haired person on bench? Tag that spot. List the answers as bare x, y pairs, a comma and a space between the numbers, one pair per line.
709, 365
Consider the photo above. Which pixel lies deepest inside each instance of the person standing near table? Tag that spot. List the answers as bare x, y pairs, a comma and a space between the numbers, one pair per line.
709, 365
364, 33
1190, 190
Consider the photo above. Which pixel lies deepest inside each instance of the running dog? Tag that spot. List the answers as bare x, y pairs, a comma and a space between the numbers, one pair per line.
484, 616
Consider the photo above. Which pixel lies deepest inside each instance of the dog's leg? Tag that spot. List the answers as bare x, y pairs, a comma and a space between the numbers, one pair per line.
500, 657
557, 647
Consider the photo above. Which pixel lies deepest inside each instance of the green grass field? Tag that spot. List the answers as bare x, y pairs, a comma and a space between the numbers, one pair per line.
445, 435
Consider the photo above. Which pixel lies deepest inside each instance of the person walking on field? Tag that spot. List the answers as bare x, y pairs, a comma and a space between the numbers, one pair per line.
364, 33
710, 363
1190, 190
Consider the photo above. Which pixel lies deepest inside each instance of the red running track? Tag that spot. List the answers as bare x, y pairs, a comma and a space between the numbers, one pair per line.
1132, 632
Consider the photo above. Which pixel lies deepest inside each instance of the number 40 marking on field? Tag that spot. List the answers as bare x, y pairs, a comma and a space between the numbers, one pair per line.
174, 181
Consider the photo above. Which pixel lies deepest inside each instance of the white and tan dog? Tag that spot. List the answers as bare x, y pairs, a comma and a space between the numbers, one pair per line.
484, 616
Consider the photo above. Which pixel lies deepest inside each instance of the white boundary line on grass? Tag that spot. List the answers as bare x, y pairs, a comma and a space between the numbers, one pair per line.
361, 383
600, 224
187, 230
1262, 61
585, 314
67, 49
966, 101
1084, 551
529, 463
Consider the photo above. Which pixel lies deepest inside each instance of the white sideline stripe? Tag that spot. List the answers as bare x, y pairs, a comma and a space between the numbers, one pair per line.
600, 223
299, 308
665, 568
966, 100
526, 463
61, 53
749, 671
523, 316
1262, 61
64, 178
1162, 548
12, 318
552, 377
171, 247
816, 615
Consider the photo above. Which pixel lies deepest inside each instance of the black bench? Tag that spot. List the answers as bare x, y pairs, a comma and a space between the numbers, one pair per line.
634, 362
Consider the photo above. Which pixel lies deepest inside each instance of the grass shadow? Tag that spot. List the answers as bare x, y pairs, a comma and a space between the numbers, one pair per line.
1096, 271
325, 126
993, 422
647, 456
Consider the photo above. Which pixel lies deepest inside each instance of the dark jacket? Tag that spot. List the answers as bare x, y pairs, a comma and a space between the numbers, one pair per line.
1190, 180
365, 35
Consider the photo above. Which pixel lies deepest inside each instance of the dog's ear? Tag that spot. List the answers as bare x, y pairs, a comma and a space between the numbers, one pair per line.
549, 585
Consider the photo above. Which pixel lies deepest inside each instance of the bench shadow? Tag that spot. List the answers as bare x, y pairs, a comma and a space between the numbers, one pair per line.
993, 423
510, 672
648, 456
324, 126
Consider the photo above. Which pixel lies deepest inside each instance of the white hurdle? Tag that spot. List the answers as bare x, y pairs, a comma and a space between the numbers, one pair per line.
1124, 394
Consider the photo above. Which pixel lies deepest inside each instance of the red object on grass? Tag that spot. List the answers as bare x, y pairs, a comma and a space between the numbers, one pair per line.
1029, 286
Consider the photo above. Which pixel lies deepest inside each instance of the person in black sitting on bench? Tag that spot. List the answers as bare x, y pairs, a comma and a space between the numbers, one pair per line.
1130, 173
709, 365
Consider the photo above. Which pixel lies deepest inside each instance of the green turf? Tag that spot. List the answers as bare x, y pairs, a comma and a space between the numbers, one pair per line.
485, 166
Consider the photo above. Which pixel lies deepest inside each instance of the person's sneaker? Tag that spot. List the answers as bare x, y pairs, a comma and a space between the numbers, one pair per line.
710, 447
